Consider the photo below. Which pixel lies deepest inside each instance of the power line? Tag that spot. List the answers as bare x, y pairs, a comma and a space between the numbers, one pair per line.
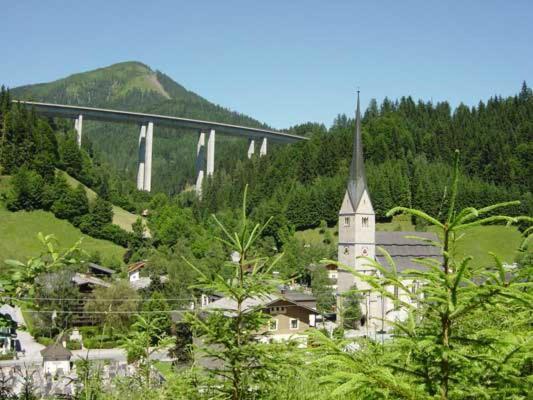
151, 312
102, 312
96, 299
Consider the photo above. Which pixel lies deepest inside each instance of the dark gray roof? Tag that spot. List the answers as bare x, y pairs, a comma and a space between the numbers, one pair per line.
357, 181
84, 279
297, 296
403, 250
99, 268
229, 304
55, 352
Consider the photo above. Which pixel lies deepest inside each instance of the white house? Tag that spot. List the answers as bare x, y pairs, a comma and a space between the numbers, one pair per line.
134, 271
56, 358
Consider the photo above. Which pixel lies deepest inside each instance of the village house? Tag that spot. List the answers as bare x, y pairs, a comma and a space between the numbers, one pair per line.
292, 314
134, 271
56, 359
99, 271
87, 283
134, 276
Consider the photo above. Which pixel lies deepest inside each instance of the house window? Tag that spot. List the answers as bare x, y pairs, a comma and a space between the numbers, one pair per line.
273, 325
294, 323
346, 221
414, 288
346, 251
365, 222
277, 309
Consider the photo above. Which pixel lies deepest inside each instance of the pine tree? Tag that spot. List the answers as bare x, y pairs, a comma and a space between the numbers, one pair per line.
26, 193
102, 212
233, 339
71, 157
454, 342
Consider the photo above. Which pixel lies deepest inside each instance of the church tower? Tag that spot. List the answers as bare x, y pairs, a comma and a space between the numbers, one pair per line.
357, 222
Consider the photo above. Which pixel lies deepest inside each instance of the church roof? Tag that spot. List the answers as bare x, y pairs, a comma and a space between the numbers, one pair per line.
403, 249
357, 180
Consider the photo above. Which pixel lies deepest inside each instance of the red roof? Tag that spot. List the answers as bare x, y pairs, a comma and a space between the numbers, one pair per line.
136, 266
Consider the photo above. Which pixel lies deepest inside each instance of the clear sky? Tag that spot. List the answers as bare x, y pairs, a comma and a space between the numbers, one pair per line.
282, 62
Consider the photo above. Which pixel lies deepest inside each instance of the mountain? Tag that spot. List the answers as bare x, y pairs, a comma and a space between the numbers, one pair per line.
134, 86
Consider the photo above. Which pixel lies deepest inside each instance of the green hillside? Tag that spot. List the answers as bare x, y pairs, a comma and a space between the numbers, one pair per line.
121, 217
134, 86
18, 236
477, 242
18, 230
101, 87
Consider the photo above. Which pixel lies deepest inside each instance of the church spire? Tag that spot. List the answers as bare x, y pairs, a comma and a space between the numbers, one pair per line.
357, 181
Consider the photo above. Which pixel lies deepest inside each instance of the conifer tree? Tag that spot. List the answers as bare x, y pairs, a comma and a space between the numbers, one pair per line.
26, 193
446, 347
230, 336
102, 212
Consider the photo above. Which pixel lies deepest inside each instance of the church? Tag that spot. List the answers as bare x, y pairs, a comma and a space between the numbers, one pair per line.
358, 238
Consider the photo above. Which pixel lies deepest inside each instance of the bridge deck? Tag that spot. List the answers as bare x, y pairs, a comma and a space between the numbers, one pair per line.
102, 114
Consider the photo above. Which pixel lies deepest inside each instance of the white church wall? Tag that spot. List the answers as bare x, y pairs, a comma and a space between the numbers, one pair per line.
393, 313
365, 205
345, 281
346, 221
365, 221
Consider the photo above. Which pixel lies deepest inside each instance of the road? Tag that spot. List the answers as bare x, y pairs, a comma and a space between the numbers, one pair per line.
32, 353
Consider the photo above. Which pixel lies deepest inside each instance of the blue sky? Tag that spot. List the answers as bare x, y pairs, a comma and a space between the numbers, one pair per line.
282, 62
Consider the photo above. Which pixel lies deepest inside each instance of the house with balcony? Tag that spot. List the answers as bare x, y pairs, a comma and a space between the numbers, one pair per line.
292, 313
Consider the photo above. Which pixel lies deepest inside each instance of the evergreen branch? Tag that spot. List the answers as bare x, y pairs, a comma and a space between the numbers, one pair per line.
488, 220
455, 179
425, 240
459, 276
417, 213
493, 207
221, 226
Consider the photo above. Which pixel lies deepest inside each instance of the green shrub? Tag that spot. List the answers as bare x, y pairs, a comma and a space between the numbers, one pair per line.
45, 341
73, 345
8, 356
26, 193
89, 331
101, 342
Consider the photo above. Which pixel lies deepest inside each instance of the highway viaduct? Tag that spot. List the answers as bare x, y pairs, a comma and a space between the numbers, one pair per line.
205, 150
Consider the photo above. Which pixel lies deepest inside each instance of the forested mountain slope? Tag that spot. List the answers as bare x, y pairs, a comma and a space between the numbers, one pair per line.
134, 86
408, 148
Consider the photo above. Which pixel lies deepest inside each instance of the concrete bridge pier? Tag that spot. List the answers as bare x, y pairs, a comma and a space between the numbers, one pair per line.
78, 125
251, 147
210, 168
263, 149
142, 150
148, 157
200, 162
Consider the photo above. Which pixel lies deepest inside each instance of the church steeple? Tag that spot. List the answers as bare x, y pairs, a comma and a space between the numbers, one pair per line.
357, 180
357, 222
